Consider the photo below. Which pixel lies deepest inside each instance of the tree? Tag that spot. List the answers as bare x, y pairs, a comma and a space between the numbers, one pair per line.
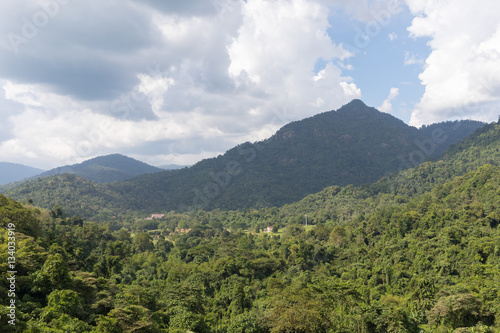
338, 236
62, 302
297, 310
143, 242
244, 323
183, 320
163, 247
56, 212
456, 311
132, 318
293, 230
54, 274
63, 324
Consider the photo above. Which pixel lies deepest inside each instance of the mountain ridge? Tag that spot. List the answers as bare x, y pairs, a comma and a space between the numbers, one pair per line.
354, 145
14, 172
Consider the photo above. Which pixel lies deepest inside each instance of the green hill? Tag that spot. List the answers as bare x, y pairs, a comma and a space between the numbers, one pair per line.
77, 195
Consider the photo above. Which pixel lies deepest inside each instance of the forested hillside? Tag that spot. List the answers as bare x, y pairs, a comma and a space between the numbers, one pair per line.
414, 252
106, 169
353, 145
78, 195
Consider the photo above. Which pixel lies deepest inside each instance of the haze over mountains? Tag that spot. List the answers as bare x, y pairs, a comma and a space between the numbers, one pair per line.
354, 145
102, 169
13, 172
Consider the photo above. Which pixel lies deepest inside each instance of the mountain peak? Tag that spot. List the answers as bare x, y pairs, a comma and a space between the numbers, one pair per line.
355, 103
359, 107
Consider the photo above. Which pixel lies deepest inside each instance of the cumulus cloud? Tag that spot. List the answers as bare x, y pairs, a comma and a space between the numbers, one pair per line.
276, 50
462, 73
387, 103
163, 81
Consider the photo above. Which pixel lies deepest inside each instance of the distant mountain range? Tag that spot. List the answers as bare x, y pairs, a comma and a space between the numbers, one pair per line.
12, 172
354, 145
102, 169
106, 169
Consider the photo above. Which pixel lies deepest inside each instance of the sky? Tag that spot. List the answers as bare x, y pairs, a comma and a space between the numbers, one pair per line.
174, 82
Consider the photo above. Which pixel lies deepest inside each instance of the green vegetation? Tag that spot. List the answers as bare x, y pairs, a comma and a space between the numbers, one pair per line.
418, 251
74, 193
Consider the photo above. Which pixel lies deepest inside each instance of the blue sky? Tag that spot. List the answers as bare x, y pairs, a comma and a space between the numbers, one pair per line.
173, 82
381, 62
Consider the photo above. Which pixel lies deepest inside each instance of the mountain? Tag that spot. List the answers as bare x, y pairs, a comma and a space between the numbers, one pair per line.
106, 169
354, 145
12, 172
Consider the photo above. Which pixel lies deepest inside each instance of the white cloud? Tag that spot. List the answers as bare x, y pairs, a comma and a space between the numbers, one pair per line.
387, 103
351, 90
393, 36
276, 50
163, 81
462, 73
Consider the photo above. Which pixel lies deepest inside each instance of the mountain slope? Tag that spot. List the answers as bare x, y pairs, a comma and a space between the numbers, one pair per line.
12, 172
106, 169
354, 145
